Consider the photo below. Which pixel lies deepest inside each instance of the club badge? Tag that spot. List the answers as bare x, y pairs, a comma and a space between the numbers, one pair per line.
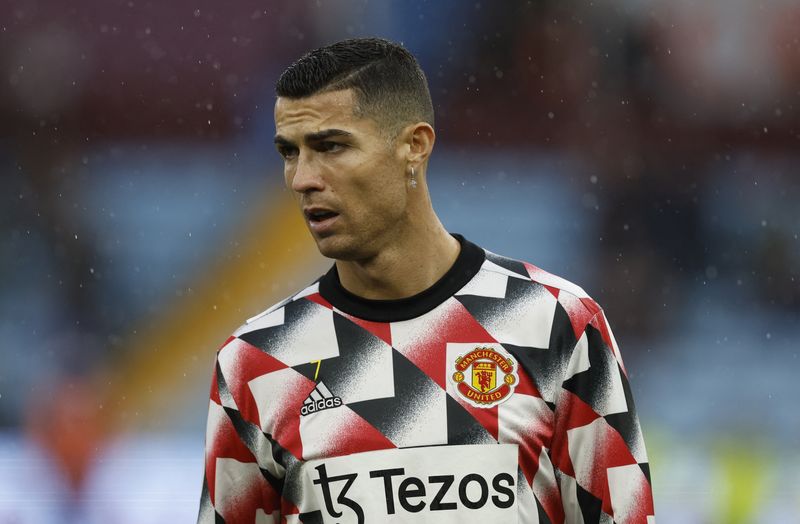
485, 376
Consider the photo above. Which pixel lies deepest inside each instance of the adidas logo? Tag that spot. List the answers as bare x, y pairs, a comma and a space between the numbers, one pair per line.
320, 399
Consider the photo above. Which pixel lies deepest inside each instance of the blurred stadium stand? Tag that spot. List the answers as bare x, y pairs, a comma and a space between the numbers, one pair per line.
648, 150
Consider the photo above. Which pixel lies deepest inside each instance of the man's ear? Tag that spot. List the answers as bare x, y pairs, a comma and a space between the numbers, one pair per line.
420, 138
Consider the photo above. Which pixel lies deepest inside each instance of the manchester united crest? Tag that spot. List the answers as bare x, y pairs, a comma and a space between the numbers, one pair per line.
485, 376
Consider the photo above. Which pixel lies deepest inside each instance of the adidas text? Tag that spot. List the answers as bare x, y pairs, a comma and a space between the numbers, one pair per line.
319, 405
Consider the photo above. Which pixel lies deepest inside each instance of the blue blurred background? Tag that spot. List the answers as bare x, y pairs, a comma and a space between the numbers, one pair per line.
648, 150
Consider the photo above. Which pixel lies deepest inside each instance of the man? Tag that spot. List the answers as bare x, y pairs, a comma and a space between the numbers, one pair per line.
422, 379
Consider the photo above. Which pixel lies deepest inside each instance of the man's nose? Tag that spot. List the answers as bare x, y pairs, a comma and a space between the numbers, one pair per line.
307, 176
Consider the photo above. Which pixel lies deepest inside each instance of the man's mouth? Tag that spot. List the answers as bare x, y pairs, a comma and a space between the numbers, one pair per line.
320, 215
320, 219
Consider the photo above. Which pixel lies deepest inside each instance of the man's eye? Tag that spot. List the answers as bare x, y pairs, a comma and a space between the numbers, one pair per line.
330, 147
287, 152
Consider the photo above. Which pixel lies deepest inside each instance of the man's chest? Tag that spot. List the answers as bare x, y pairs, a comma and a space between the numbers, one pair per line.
350, 386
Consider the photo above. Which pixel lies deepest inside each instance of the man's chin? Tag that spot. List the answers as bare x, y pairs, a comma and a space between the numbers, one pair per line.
338, 247
332, 247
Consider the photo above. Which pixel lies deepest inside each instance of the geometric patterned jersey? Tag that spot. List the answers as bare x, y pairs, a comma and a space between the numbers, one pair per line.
498, 395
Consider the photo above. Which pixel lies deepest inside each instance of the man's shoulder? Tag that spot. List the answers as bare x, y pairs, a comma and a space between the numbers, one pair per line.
571, 297
270, 316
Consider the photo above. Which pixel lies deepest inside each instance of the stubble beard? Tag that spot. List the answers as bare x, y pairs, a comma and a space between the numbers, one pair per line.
339, 246
360, 246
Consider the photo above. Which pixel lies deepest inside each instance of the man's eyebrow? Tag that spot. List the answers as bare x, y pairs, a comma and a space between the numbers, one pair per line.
313, 137
281, 141
327, 133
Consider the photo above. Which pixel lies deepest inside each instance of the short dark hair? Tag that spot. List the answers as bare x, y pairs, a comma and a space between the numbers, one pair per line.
389, 85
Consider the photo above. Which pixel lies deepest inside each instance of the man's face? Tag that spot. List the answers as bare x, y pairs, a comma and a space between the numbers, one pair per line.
348, 178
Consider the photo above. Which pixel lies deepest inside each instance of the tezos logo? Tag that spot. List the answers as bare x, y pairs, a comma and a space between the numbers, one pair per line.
414, 494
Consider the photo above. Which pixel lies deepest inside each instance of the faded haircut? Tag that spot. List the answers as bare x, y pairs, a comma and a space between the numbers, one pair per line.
389, 85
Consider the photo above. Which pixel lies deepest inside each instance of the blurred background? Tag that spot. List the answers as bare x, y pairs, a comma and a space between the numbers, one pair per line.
648, 150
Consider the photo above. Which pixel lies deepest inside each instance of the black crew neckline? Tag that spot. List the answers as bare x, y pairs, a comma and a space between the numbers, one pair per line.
466, 266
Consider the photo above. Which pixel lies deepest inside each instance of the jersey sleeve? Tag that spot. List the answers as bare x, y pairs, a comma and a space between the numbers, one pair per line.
598, 445
237, 461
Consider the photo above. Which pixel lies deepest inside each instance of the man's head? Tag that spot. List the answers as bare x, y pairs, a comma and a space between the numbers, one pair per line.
387, 81
353, 123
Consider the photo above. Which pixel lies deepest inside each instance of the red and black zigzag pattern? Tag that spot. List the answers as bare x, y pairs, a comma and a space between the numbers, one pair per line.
581, 452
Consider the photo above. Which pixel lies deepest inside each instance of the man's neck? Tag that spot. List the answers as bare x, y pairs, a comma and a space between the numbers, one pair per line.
404, 268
